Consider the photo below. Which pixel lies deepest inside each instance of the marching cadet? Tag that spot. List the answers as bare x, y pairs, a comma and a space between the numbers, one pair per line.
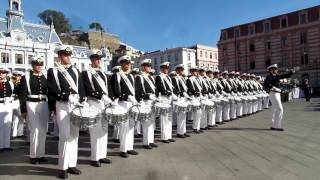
145, 92
123, 89
34, 104
234, 87
116, 129
17, 120
180, 89
245, 90
195, 91
6, 92
138, 126
212, 91
205, 93
219, 91
227, 89
164, 91
66, 88
98, 92
272, 85
240, 89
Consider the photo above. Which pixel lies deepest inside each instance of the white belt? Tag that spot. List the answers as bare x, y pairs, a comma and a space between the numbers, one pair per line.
40, 96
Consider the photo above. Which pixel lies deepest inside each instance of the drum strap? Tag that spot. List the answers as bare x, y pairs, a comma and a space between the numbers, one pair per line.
101, 82
67, 76
144, 76
128, 83
166, 79
28, 83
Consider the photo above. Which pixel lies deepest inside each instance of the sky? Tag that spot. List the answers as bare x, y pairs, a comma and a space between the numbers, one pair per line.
150, 25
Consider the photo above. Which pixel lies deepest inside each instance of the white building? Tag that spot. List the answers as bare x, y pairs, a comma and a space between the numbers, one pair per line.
207, 56
20, 41
175, 56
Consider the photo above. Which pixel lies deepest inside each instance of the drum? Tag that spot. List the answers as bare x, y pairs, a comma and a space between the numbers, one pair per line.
208, 105
114, 115
162, 108
141, 113
181, 106
85, 117
195, 104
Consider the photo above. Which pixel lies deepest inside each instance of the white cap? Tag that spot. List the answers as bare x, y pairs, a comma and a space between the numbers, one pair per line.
65, 48
237, 73
135, 70
244, 74
124, 58
37, 59
179, 66
146, 61
165, 64
273, 66
216, 71
232, 72
172, 73
95, 52
193, 68
224, 72
116, 68
5, 69
20, 73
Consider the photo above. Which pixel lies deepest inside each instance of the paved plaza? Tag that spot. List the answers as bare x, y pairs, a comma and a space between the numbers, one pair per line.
244, 149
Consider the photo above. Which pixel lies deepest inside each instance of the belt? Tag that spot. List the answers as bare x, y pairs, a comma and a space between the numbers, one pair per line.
38, 96
276, 91
36, 99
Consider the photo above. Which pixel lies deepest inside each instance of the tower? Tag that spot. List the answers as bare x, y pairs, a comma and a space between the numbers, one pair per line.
15, 16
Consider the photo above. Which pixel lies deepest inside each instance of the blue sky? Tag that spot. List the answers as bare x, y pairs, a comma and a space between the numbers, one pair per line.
151, 25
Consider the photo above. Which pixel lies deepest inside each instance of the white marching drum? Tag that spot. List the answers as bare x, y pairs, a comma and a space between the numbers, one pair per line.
195, 104
181, 106
141, 113
208, 105
162, 108
114, 115
85, 117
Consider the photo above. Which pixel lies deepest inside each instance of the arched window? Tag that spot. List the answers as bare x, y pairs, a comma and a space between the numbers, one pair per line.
15, 6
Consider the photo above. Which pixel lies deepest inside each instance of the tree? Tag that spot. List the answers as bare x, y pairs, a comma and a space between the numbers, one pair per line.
97, 26
59, 20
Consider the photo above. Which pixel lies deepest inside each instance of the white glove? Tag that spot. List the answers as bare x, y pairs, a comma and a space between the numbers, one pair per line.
174, 97
106, 99
186, 95
133, 100
84, 104
73, 99
152, 97
275, 89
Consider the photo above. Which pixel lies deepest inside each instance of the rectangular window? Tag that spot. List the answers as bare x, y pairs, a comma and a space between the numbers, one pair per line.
284, 23
252, 65
284, 60
206, 54
252, 47
169, 57
210, 55
303, 38
200, 53
224, 51
161, 59
236, 33
268, 44
30, 59
266, 27
176, 57
189, 57
251, 30
19, 58
215, 56
224, 36
303, 18
284, 41
304, 59
5, 58
267, 62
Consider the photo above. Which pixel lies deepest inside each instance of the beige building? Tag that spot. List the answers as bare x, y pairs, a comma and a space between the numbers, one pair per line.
290, 40
206, 56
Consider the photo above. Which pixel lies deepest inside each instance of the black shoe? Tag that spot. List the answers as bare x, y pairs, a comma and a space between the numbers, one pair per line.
1, 150
147, 147
153, 145
172, 140
186, 135
116, 140
34, 161
124, 154
272, 128
105, 161
8, 149
95, 163
279, 129
132, 152
63, 174
201, 131
74, 171
42, 160
180, 136
166, 141
138, 135
196, 131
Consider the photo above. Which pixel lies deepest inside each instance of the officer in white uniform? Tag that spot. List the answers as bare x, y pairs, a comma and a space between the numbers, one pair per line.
66, 88
145, 94
116, 129
6, 92
34, 102
212, 90
218, 95
226, 92
272, 84
123, 89
98, 92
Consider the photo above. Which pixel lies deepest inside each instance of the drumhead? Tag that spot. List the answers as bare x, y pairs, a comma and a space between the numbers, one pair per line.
163, 105
86, 112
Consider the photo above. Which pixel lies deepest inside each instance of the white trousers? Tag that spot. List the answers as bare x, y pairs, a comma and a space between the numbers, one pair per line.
196, 119
260, 102
212, 117
116, 131
250, 107
219, 114
98, 135
181, 123
166, 126
204, 118
17, 121
239, 109
38, 117
233, 111
68, 136
138, 128
5, 124
148, 128
126, 131
266, 102
277, 109
226, 112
